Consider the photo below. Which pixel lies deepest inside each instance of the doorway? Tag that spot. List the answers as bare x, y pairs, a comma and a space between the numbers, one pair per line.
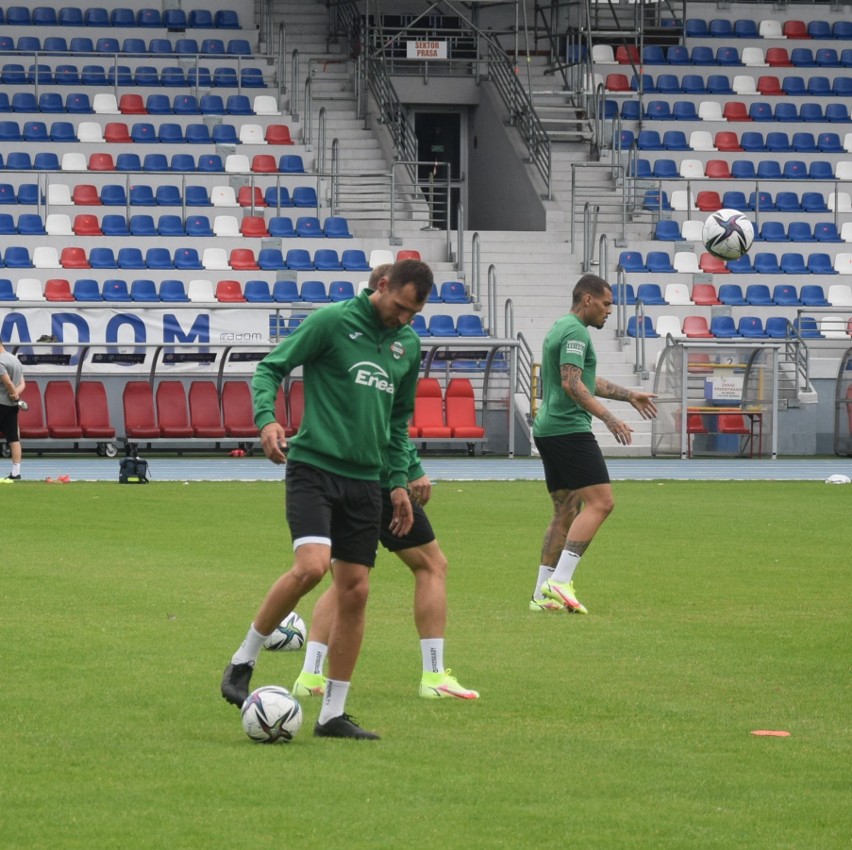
440, 141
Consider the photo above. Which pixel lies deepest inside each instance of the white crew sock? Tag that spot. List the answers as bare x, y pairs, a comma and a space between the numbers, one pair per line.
16, 469
315, 653
544, 573
432, 651
250, 647
334, 700
568, 562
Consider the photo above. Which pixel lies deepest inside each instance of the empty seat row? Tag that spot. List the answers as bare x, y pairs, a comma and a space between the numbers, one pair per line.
665, 168
75, 257
165, 195
752, 141
656, 199
17, 73
746, 327
679, 55
57, 45
761, 262
145, 290
168, 132
143, 224
734, 110
733, 295
695, 84
178, 162
445, 414
105, 103
743, 28
769, 231
440, 324
100, 16
62, 413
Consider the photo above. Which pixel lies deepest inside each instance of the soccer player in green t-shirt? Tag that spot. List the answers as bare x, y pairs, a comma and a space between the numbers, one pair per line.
361, 362
574, 467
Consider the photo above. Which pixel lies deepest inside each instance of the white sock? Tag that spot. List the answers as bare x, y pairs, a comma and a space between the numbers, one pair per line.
315, 653
544, 573
16, 469
568, 562
334, 700
250, 647
432, 650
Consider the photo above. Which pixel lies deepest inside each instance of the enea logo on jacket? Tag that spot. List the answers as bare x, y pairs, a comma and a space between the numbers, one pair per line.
370, 374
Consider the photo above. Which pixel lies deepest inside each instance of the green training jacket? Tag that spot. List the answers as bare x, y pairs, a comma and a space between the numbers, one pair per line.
360, 379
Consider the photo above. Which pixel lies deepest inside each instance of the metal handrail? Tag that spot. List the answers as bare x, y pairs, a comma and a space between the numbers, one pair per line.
639, 361
294, 76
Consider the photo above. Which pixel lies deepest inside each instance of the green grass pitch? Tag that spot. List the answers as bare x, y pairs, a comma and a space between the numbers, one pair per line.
716, 609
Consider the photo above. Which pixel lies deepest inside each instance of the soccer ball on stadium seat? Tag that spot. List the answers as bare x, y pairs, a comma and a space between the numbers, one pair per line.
271, 715
290, 635
727, 234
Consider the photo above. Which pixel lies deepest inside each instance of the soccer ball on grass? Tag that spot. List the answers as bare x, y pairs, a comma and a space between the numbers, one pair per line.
271, 715
727, 234
290, 635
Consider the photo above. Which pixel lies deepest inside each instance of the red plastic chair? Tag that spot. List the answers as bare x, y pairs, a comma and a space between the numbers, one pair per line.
278, 134
229, 291
58, 289
708, 201
31, 421
769, 85
93, 411
254, 226
778, 57
795, 29
727, 141
295, 405
735, 110
617, 82
428, 419
172, 412
712, 265
704, 294
116, 131
243, 259
696, 327
73, 257
407, 254
461, 409
264, 163
718, 169
246, 197
694, 425
101, 162
86, 224
140, 421
627, 54
85, 194
61, 411
132, 104
237, 410
204, 413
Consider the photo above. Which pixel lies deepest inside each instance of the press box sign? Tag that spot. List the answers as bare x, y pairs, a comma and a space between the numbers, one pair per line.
426, 49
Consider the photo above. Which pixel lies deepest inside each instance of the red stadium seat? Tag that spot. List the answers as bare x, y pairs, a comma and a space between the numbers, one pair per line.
61, 411
58, 289
229, 291
172, 412
140, 422
461, 409
93, 411
204, 412
237, 415
428, 419
31, 421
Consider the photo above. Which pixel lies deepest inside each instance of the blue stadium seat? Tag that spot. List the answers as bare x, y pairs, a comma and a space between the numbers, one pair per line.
758, 295
336, 227
257, 291
77, 103
170, 225
623, 293
114, 225
702, 55
650, 294
719, 84
308, 226
200, 77
778, 142
225, 77
197, 196
158, 104
826, 231
87, 289
721, 28
212, 104
787, 202
185, 104
804, 142
17, 257
102, 258
210, 163
197, 134
751, 327
238, 47
144, 290
785, 295
160, 46
723, 327
225, 134
802, 57
665, 169
677, 54
187, 258
304, 196
819, 86
143, 132
31, 224
198, 225
453, 292
115, 289
271, 259
836, 112
470, 324
819, 29
762, 201
18, 161
731, 294
765, 262
285, 291
418, 325
658, 262
667, 230
820, 169
658, 110
656, 199
130, 258
806, 327
812, 112
155, 162
314, 291
792, 262
813, 295
252, 78
814, 202
213, 46
743, 169
281, 227
776, 327
745, 28
238, 104
159, 258
173, 290
830, 143
298, 259
800, 231
647, 328
696, 28
760, 110
441, 324
142, 195
227, 19
354, 259
183, 163
741, 266
675, 140
769, 169
631, 261
279, 197
772, 231
649, 140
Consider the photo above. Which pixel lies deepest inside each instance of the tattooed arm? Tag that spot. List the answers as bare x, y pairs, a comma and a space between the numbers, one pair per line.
643, 402
572, 383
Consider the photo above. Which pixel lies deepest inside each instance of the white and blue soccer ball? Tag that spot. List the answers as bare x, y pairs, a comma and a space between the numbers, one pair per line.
289, 636
271, 715
727, 234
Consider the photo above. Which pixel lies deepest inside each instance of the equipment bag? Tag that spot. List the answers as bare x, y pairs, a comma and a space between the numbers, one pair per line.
133, 470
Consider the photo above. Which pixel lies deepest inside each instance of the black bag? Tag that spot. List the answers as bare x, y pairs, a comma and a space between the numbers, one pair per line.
133, 470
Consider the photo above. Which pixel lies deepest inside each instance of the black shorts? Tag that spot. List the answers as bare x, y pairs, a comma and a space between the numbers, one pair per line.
421, 532
326, 508
572, 461
9, 423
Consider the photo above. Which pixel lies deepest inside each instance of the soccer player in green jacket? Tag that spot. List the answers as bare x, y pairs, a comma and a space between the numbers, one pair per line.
360, 360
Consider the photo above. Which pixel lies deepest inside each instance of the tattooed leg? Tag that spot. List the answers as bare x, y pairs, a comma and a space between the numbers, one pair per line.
566, 507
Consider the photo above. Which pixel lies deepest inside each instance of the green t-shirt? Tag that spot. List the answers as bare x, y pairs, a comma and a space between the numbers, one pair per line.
567, 343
